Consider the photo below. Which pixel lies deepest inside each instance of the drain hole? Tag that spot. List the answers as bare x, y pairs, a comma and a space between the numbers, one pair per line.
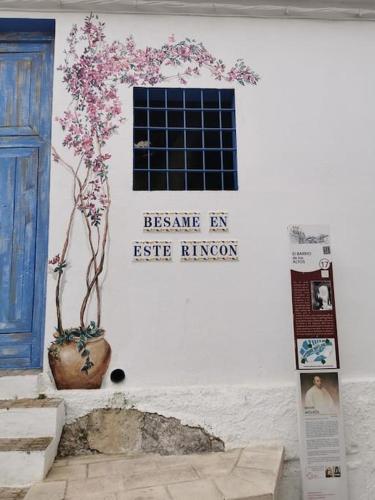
117, 375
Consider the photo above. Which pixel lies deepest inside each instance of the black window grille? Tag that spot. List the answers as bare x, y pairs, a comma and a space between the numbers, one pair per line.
184, 139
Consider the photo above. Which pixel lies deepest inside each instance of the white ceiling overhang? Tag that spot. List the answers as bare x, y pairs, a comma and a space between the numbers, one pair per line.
303, 9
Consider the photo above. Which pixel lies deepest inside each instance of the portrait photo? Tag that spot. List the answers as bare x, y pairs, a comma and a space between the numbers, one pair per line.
321, 296
320, 392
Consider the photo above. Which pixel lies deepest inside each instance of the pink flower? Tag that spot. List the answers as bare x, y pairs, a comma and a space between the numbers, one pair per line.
92, 71
55, 260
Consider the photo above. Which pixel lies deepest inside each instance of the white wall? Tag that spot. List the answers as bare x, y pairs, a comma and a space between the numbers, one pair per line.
306, 154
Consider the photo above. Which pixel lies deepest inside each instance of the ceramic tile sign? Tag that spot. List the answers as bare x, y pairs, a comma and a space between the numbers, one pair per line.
313, 299
209, 250
218, 222
152, 251
322, 445
171, 221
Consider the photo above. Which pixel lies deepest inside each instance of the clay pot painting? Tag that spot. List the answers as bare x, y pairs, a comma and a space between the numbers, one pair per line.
79, 359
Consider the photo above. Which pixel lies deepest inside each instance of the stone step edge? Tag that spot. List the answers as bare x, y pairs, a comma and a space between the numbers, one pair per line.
25, 444
8, 404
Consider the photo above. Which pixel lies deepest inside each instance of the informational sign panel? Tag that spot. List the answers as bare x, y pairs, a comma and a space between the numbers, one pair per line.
313, 297
322, 442
322, 448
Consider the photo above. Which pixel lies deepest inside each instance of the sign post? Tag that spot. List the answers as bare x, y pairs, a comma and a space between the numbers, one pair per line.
316, 348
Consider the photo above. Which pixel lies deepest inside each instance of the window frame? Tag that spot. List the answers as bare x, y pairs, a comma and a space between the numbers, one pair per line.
227, 178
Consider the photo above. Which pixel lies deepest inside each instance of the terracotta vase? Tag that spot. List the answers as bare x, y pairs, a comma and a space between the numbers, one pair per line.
66, 364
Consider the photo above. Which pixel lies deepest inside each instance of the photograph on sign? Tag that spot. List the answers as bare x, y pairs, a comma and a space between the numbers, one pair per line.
312, 234
320, 393
316, 353
321, 295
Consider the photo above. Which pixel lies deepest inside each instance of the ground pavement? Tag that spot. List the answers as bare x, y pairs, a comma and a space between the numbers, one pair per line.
242, 474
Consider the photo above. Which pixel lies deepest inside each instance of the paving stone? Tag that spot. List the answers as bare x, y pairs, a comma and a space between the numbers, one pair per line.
208, 476
68, 472
165, 461
142, 458
262, 481
205, 464
210, 466
47, 491
94, 486
261, 459
235, 453
60, 462
152, 493
264, 446
101, 457
12, 493
92, 458
159, 477
119, 467
94, 496
235, 488
197, 490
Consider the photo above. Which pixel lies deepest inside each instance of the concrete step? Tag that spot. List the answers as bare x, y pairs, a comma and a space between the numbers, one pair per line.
25, 460
251, 473
22, 418
19, 383
30, 431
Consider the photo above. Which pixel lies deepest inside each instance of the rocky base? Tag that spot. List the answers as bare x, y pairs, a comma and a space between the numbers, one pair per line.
114, 431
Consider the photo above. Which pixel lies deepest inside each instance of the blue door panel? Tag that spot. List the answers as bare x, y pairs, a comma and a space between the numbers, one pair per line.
11, 363
19, 170
25, 122
16, 338
20, 96
10, 351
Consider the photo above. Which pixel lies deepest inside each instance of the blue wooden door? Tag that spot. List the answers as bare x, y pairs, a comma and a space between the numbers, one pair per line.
25, 118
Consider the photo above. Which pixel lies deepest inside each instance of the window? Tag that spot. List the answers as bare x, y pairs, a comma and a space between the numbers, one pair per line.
184, 139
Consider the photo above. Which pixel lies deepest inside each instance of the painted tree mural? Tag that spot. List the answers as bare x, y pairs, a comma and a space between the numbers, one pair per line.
93, 70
